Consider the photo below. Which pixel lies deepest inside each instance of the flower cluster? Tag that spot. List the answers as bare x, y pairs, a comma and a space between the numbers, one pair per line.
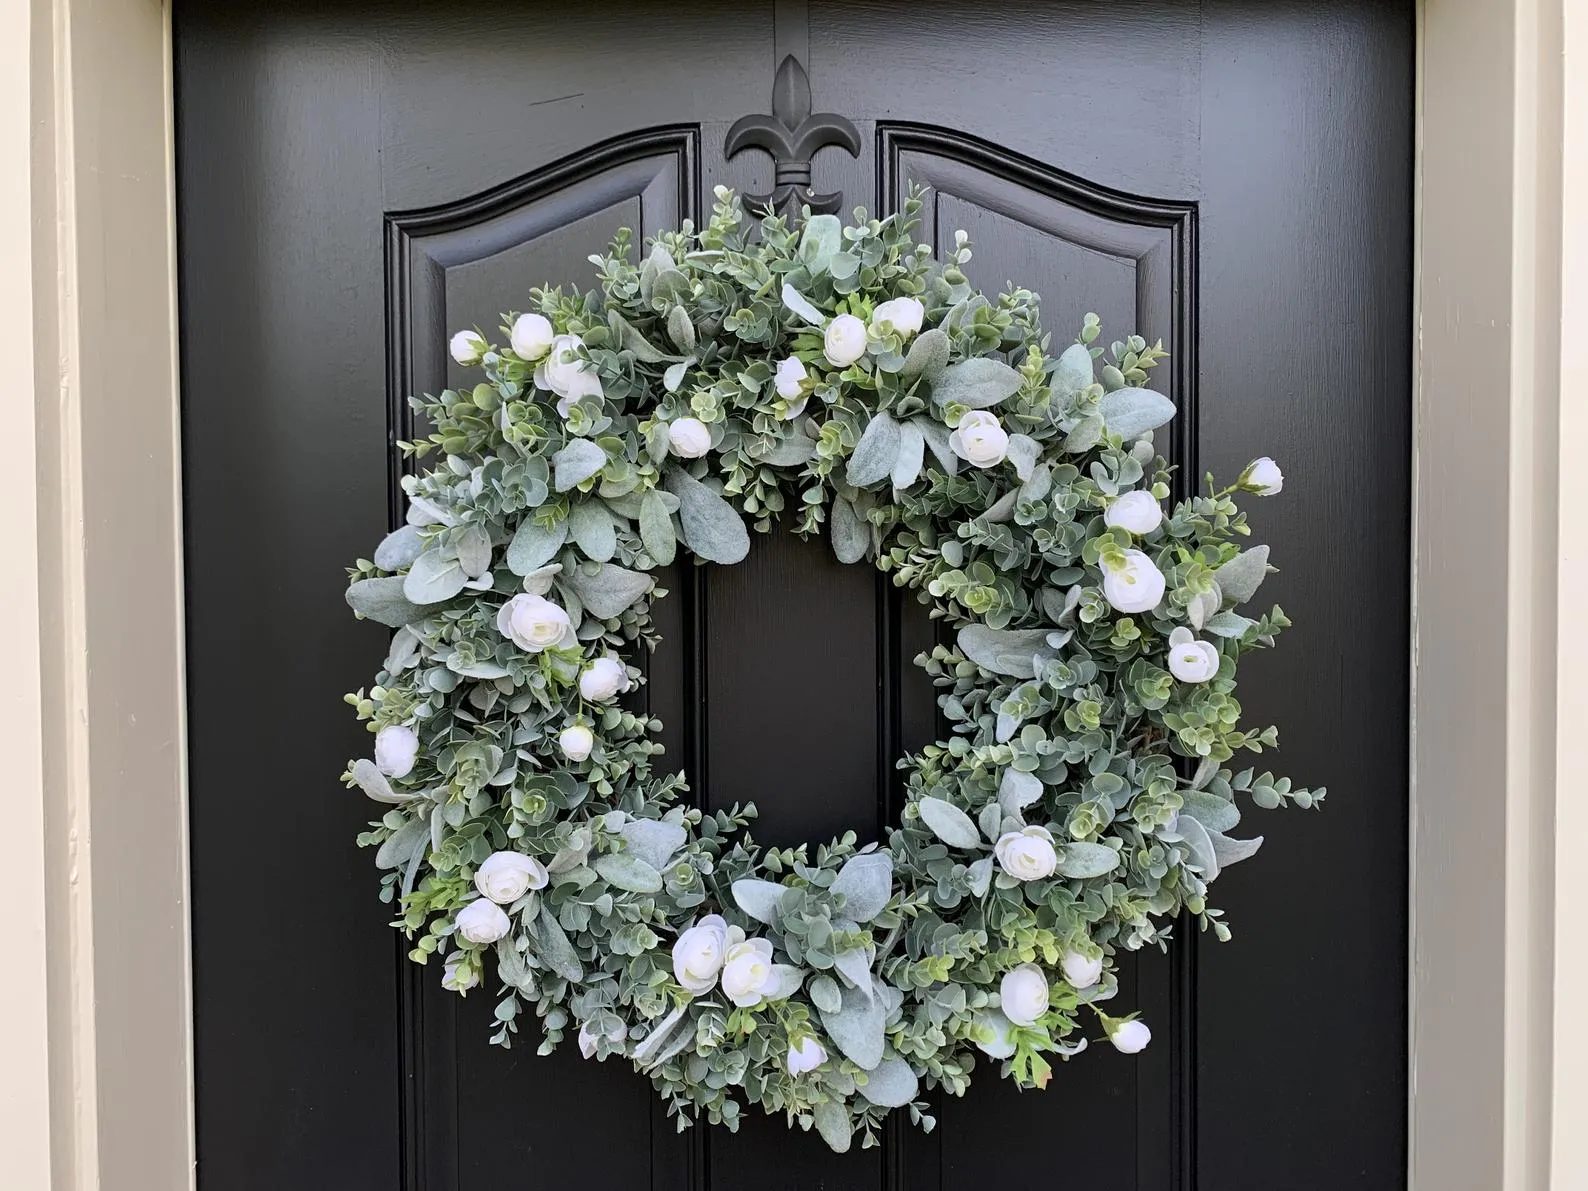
844, 380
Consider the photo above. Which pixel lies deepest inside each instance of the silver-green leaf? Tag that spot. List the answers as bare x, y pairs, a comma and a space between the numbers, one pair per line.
576, 463
382, 601
627, 871
912, 453
533, 546
656, 529
851, 536
610, 590
1240, 578
1082, 860
760, 899
976, 383
1074, 371
927, 356
435, 576
950, 824
875, 453
891, 1084
866, 884
590, 526
1130, 412
858, 1027
712, 529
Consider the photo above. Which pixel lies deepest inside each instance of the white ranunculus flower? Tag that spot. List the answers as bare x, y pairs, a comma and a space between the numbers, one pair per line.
576, 742
1191, 660
902, 314
1082, 971
790, 378
1024, 994
562, 372
1136, 587
699, 952
532, 336
602, 679
1136, 512
1130, 1037
504, 877
396, 748
458, 977
688, 438
980, 440
534, 623
467, 347
807, 1056
746, 969
844, 341
483, 921
1263, 477
1027, 855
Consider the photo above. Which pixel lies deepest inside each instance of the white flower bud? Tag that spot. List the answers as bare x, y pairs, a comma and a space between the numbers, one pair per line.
482, 922
563, 372
1263, 477
602, 679
1136, 512
1135, 587
1027, 855
396, 749
1191, 660
979, 439
699, 952
1024, 994
534, 623
576, 742
688, 438
807, 1056
790, 378
1130, 1037
844, 341
1082, 971
504, 877
532, 336
746, 970
903, 315
467, 347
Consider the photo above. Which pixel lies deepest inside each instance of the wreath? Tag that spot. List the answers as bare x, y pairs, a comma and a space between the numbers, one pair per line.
834, 376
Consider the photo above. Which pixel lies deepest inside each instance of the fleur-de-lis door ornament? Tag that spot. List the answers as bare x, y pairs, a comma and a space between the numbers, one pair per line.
792, 134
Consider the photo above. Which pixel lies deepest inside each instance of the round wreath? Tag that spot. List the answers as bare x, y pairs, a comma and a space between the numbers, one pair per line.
1081, 801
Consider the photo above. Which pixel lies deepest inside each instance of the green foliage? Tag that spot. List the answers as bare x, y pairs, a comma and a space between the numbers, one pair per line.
1065, 712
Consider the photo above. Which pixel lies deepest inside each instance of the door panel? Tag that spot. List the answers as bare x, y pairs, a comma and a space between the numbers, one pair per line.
357, 180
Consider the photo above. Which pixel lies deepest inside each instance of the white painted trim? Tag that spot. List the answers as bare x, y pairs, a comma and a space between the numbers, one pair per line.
93, 719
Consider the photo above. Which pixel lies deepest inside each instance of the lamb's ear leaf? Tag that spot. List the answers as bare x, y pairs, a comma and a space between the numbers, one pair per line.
927, 357
950, 824
1240, 578
820, 242
1132, 412
760, 899
712, 529
576, 463
1229, 851
1074, 371
610, 591
591, 528
399, 548
891, 1084
832, 1122
976, 383
866, 883
435, 577
936, 436
533, 546
382, 601
553, 948
656, 529
851, 535
875, 453
1082, 860
800, 305
627, 871
859, 1026
912, 453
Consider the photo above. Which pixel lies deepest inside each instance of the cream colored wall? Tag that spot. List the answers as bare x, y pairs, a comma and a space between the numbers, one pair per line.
95, 1092
98, 1094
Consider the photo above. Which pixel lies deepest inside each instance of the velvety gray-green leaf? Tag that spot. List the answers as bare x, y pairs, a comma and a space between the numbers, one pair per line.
400, 845
892, 1083
927, 356
1074, 371
474, 551
1229, 851
712, 529
1023, 454
627, 871
552, 946
791, 451
653, 840
950, 824
435, 576
1017, 790
610, 591
382, 601
875, 453
1082, 860
759, 899
631, 339
533, 547
912, 453
1129, 412
821, 240
832, 1122
936, 436
800, 305
1240, 578
1212, 811
590, 526
977, 383
858, 1027
866, 883
680, 329
851, 535
576, 463
399, 548
656, 529
1005, 651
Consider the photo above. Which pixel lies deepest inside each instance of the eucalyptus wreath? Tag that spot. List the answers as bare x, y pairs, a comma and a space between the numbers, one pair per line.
833, 377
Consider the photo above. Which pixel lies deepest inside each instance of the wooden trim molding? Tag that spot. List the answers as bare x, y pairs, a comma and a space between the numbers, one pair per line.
97, 1053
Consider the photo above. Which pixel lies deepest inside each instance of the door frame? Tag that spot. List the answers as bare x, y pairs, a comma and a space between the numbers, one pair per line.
99, 1049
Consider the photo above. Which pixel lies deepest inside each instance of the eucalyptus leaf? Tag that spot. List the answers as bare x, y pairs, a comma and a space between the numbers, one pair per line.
1074, 371
858, 1027
552, 946
533, 546
653, 840
1131, 412
976, 383
712, 529
875, 453
590, 526
656, 529
851, 536
950, 824
866, 884
1082, 860
610, 591
436, 576
382, 601
1240, 578
760, 899
628, 871
891, 1084
399, 548
576, 463
927, 356
821, 240
912, 453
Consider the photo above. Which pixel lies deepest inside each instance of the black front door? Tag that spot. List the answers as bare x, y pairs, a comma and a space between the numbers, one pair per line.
358, 179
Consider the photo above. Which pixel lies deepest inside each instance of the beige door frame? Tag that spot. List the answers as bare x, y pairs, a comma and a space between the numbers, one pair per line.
96, 1016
